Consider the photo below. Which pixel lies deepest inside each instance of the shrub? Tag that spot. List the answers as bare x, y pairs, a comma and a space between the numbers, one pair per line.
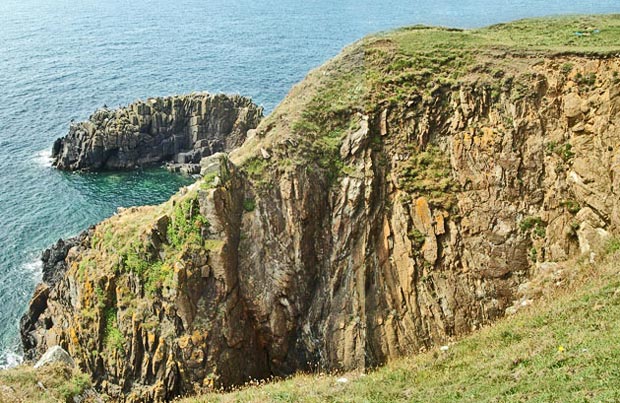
186, 224
567, 68
533, 224
249, 205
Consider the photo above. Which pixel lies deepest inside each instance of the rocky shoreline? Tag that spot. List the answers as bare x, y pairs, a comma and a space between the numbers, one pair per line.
179, 130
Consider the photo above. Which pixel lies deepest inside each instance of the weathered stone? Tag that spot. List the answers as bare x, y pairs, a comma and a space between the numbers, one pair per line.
355, 140
572, 105
159, 130
211, 164
55, 354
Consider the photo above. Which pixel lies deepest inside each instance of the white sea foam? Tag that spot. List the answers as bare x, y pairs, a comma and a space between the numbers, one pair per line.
34, 268
10, 359
43, 158
10, 356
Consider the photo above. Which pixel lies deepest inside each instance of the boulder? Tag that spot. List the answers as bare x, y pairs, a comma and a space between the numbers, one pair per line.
53, 355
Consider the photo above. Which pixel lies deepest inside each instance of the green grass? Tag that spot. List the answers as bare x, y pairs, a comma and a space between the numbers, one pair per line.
612, 246
186, 224
249, 205
428, 173
160, 274
113, 338
60, 383
564, 348
533, 224
556, 35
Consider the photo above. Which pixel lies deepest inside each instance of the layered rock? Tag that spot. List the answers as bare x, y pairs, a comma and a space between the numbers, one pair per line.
54, 269
339, 236
178, 129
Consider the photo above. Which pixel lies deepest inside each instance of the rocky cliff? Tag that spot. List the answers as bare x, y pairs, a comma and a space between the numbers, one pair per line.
180, 129
398, 197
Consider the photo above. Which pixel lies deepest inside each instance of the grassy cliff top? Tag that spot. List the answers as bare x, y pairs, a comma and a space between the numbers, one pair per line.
392, 69
590, 34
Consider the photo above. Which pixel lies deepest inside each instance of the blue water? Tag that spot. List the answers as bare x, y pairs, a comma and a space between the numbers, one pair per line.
62, 59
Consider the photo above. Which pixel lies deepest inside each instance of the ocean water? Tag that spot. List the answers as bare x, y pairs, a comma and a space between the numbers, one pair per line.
62, 59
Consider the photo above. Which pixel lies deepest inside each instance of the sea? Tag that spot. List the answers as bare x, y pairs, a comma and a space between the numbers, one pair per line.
60, 60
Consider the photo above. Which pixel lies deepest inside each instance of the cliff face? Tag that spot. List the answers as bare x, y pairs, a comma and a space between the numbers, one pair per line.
180, 129
385, 206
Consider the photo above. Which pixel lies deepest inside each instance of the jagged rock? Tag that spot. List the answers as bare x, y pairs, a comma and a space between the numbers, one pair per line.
211, 165
354, 141
54, 265
38, 304
180, 128
53, 355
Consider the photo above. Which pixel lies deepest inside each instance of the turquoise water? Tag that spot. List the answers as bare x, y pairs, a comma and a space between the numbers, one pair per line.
62, 59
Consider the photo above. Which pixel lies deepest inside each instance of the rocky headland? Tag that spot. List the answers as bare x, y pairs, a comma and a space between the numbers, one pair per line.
177, 129
405, 193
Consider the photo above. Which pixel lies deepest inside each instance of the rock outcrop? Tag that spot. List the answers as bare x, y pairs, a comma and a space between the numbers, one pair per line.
54, 355
54, 268
343, 234
177, 129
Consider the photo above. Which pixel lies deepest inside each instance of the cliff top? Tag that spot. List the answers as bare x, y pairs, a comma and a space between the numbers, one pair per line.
579, 35
412, 65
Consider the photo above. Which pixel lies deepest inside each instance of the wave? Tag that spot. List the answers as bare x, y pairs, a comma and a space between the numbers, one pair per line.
43, 158
34, 268
10, 359
10, 345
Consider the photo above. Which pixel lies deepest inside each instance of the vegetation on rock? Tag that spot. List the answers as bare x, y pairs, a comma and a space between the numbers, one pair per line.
49, 384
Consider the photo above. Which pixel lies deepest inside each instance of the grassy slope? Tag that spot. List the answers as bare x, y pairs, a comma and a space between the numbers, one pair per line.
53, 383
563, 348
555, 35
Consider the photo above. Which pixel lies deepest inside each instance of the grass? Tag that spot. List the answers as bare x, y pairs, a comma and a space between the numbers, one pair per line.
555, 35
186, 224
428, 173
52, 383
534, 224
564, 348
113, 338
564, 151
249, 205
